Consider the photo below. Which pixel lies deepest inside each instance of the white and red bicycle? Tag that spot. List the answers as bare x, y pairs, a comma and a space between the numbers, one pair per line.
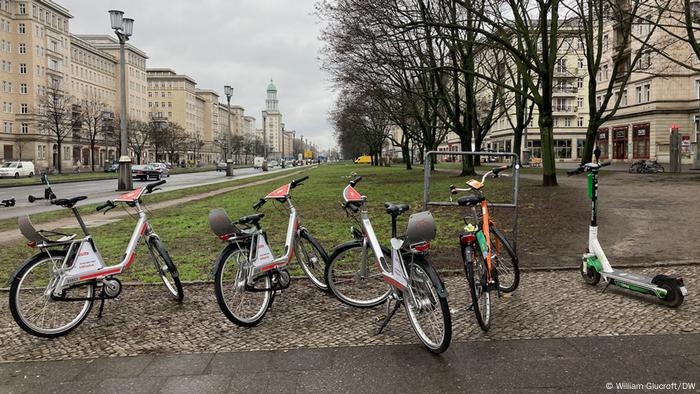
247, 274
53, 291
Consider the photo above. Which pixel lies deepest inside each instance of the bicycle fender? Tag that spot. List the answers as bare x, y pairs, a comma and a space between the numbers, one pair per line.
342, 246
37, 256
442, 291
220, 258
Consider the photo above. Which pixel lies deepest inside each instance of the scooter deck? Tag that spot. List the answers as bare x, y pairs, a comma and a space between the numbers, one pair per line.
629, 277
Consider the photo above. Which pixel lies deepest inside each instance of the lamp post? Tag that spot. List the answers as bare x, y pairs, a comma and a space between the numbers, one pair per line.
228, 91
123, 28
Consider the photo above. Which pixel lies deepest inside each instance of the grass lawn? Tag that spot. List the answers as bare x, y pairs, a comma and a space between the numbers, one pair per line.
185, 230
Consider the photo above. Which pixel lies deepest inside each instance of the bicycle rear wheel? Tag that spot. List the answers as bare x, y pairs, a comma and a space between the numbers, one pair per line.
244, 307
478, 288
166, 268
426, 308
354, 278
505, 261
31, 302
310, 258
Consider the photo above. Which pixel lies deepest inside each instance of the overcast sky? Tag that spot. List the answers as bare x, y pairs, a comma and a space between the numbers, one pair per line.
240, 42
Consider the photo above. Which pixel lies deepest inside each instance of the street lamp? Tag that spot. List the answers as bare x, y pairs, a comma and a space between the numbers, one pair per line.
228, 91
695, 16
123, 28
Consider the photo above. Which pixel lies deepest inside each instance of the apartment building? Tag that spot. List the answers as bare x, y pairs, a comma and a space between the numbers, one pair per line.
34, 52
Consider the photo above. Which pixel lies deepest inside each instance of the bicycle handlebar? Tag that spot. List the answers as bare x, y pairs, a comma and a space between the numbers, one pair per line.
298, 182
496, 170
109, 204
355, 181
259, 204
150, 188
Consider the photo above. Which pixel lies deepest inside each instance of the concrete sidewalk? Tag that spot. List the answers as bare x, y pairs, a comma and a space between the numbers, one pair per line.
590, 364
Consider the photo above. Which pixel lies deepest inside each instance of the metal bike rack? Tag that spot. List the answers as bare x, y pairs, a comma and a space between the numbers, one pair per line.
516, 176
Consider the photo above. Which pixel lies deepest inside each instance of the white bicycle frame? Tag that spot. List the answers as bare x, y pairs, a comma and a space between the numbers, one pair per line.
262, 257
397, 275
83, 262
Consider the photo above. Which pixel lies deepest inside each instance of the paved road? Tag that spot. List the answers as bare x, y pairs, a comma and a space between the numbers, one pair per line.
100, 191
596, 364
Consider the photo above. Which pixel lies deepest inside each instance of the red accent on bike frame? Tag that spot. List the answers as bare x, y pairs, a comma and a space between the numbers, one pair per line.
131, 260
101, 273
268, 267
350, 194
394, 283
130, 196
280, 192
422, 248
225, 237
143, 229
31, 244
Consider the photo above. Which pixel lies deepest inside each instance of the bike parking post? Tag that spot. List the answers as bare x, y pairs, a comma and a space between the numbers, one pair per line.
515, 184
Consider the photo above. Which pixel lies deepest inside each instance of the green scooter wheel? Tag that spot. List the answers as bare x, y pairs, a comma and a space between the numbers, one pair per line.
590, 275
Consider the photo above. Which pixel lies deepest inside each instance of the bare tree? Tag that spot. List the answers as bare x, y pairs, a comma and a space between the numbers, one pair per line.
56, 115
95, 116
175, 141
139, 136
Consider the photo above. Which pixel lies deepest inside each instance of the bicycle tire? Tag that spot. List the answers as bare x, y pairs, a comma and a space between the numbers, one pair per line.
478, 288
312, 271
420, 273
172, 282
268, 296
503, 266
382, 289
16, 309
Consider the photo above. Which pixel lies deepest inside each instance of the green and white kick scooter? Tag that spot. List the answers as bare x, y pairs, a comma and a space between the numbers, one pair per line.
668, 287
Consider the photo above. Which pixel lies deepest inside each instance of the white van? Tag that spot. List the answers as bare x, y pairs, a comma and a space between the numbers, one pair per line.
258, 162
16, 169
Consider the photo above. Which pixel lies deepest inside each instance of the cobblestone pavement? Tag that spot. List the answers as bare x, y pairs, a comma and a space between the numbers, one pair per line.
554, 304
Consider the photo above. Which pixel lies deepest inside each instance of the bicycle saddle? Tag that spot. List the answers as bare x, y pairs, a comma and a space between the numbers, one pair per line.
252, 219
69, 202
470, 200
395, 209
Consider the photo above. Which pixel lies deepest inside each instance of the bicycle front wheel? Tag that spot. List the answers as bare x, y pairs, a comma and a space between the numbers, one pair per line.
426, 308
310, 258
354, 276
34, 306
505, 260
240, 305
166, 268
479, 288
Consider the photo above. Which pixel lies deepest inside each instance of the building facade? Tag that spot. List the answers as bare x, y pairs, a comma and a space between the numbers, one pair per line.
272, 124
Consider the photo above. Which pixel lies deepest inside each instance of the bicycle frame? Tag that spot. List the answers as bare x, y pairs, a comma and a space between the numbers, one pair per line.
397, 276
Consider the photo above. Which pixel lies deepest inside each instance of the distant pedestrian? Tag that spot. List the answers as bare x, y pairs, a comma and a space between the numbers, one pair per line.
596, 153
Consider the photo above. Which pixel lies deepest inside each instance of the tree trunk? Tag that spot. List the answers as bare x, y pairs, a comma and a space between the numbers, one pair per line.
59, 165
589, 146
549, 175
465, 142
406, 153
92, 155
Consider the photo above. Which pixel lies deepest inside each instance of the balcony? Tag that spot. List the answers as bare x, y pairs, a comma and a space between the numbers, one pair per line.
564, 92
565, 110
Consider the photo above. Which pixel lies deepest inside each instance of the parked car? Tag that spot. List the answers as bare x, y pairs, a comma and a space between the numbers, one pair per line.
144, 172
162, 168
258, 162
221, 166
364, 160
16, 169
273, 163
114, 167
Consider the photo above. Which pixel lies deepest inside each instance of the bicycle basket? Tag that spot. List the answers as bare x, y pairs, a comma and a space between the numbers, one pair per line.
421, 228
221, 224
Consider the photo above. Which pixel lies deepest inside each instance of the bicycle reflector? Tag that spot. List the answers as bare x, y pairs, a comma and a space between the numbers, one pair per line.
467, 238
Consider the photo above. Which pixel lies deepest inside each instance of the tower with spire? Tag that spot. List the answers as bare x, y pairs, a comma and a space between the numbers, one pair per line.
272, 123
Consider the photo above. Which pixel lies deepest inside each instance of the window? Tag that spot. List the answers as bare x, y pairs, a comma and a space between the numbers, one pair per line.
561, 65
580, 144
638, 89
22, 68
645, 60
22, 48
580, 63
579, 102
23, 108
623, 100
605, 72
535, 147
606, 42
41, 151
562, 149
22, 28
22, 9
25, 128
567, 122
579, 84
579, 121
598, 102
647, 93
697, 88
7, 127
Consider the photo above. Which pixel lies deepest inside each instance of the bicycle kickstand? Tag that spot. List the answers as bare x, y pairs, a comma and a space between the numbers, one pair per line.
102, 306
389, 315
607, 283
